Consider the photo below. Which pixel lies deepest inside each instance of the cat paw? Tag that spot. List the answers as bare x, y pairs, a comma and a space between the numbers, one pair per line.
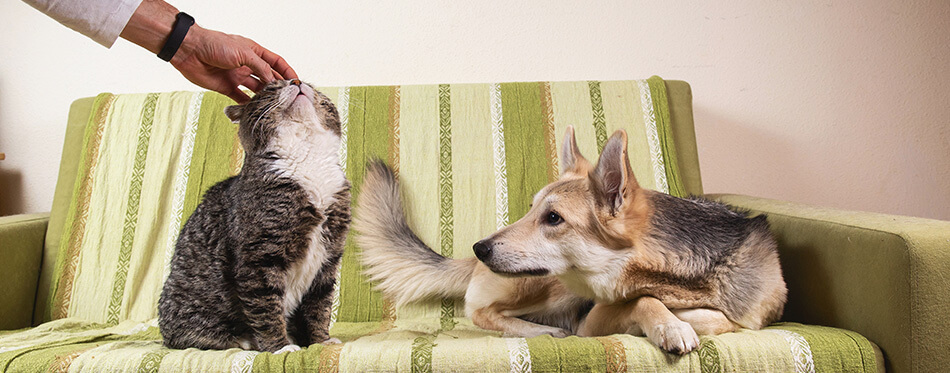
331, 341
287, 348
677, 337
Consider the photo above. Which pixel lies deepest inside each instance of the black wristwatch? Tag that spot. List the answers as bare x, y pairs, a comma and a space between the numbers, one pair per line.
183, 22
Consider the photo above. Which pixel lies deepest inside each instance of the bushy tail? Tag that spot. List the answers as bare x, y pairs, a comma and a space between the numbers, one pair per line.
405, 269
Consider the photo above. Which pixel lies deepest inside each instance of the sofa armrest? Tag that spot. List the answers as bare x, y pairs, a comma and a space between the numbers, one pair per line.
21, 251
884, 276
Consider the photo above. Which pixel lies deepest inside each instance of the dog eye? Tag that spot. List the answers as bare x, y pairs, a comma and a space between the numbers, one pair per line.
553, 219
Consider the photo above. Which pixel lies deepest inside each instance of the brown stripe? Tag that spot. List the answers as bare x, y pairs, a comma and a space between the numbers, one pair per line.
77, 232
395, 98
330, 359
61, 363
547, 117
614, 353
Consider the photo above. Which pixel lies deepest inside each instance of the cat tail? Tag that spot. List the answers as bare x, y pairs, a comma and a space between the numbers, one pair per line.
404, 268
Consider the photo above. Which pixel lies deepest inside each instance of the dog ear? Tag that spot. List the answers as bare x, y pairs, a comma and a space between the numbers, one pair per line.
234, 113
613, 175
571, 159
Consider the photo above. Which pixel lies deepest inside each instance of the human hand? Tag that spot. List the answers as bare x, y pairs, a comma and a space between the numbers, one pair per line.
223, 62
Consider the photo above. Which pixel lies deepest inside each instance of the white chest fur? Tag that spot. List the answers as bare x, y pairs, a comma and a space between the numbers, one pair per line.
311, 159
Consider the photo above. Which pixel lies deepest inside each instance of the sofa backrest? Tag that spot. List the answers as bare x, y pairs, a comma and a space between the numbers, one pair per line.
470, 157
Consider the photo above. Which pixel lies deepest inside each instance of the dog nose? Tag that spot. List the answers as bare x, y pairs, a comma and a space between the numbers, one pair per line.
295, 82
482, 250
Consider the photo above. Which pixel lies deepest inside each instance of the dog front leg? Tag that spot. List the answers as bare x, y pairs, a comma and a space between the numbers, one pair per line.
644, 315
487, 318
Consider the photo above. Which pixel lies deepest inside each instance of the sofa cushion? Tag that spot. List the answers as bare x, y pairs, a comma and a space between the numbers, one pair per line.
424, 346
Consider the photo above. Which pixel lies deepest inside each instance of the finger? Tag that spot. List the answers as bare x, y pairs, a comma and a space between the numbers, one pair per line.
238, 95
277, 75
277, 63
252, 84
259, 66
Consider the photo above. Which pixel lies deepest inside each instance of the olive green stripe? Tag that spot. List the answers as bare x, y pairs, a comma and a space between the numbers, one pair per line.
369, 134
661, 108
421, 354
597, 110
79, 208
828, 344
571, 354
446, 222
132, 209
526, 159
152, 361
213, 148
709, 359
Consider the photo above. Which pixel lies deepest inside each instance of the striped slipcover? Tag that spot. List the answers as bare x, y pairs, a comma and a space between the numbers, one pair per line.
470, 157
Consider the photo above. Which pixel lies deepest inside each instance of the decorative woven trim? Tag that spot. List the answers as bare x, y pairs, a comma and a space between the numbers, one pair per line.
395, 100
181, 178
446, 221
597, 112
61, 363
344, 110
518, 355
614, 353
501, 170
64, 290
132, 209
421, 354
653, 138
330, 359
801, 350
547, 115
243, 362
709, 360
152, 361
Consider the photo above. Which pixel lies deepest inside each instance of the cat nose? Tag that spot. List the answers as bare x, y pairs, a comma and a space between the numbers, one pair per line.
295, 82
482, 250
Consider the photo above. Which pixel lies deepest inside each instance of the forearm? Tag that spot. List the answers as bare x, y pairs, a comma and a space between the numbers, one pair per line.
150, 25
101, 21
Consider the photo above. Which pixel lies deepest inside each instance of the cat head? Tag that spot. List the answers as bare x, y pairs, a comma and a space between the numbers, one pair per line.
280, 104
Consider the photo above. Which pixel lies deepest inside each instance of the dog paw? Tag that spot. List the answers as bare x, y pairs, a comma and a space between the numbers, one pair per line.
559, 333
677, 337
331, 341
287, 348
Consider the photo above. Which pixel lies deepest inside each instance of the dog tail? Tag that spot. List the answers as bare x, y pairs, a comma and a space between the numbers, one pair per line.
405, 269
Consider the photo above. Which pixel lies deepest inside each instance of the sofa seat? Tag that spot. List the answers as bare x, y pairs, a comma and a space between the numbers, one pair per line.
424, 345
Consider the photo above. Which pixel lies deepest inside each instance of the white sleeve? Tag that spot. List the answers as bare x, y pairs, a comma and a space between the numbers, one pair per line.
100, 20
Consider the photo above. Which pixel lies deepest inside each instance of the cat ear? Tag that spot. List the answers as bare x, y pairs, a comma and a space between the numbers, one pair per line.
234, 113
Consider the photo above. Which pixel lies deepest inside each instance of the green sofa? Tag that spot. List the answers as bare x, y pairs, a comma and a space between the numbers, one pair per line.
867, 292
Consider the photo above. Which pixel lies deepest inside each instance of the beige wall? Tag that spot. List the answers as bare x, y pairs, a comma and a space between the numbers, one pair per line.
835, 103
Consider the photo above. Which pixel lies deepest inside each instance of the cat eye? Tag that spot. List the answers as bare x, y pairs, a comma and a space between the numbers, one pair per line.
553, 218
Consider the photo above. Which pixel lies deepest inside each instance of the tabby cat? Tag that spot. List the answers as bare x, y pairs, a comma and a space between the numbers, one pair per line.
255, 265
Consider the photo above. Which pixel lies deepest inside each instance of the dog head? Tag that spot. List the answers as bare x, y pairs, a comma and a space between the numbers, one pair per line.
576, 221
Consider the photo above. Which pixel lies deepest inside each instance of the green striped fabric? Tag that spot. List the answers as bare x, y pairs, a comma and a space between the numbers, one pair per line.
80, 346
470, 157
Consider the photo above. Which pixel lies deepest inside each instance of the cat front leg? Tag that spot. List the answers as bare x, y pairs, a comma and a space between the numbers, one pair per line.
261, 298
315, 309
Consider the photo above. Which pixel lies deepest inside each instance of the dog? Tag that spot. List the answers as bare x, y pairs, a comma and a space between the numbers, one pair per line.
406, 270
654, 264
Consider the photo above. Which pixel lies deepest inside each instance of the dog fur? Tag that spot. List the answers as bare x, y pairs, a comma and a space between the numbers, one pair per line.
654, 264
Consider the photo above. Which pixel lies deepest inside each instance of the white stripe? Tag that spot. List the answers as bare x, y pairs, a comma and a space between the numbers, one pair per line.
653, 137
518, 355
243, 362
181, 178
343, 108
501, 169
801, 350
